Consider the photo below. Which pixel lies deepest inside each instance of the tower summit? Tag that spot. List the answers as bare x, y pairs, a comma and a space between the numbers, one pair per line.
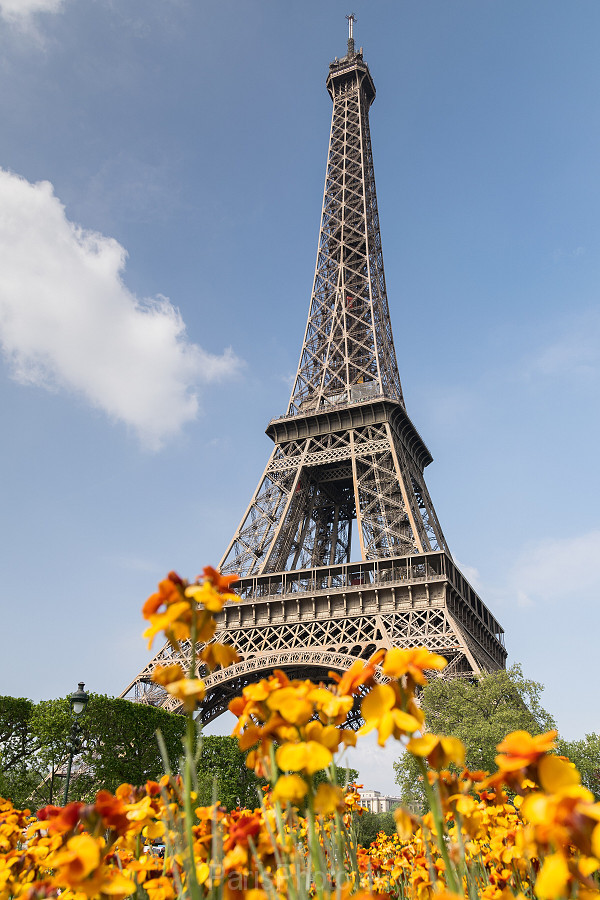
340, 550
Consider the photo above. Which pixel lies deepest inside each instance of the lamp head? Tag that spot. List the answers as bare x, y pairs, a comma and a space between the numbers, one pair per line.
78, 700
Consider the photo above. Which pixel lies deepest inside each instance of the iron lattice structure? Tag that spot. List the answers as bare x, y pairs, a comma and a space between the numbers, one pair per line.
347, 466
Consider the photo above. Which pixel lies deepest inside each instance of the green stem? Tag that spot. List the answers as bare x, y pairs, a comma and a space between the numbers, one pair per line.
438, 818
188, 758
315, 849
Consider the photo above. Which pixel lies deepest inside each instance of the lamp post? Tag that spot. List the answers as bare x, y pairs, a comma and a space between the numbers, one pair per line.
78, 702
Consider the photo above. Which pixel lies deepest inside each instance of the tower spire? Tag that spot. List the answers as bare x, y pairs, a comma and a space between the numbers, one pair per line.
348, 350
351, 20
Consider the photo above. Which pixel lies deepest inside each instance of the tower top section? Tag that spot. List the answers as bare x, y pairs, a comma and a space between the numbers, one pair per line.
351, 69
348, 351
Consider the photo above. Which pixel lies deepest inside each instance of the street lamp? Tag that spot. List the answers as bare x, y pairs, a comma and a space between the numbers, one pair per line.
78, 702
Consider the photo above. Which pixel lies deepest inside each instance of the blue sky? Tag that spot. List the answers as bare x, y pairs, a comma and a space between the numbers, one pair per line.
162, 174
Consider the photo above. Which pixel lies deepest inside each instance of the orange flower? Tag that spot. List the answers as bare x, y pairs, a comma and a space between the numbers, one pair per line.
167, 674
112, 810
80, 859
169, 590
359, 673
413, 662
519, 749
215, 654
60, 820
221, 583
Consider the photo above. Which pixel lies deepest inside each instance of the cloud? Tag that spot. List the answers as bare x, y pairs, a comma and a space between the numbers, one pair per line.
67, 321
20, 12
559, 571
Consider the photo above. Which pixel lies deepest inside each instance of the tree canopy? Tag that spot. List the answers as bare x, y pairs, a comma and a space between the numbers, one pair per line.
585, 754
17, 746
480, 712
222, 773
118, 745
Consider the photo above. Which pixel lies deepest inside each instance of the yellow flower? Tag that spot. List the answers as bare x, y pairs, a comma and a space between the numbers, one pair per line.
170, 621
556, 774
331, 706
159, 888
328, 799
328, 735
206, 595
117, 885
216, 654
291, 703
81, 858
414, 662
379, 711
440, 751
406, 824
167, 674
190, 691
306, 757
553, 878
290, 789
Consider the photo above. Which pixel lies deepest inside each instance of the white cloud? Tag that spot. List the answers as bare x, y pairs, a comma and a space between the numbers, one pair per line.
20, 12
559, 571
68, 321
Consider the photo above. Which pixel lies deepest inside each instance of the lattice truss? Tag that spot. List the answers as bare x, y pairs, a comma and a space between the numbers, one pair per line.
312, 490
311, 649
348, 349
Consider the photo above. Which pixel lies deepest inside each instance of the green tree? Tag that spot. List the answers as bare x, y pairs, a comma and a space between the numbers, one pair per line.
368, 825
222, 770
481, 712
18, 765
343, 776
585, 754
50, 723
119, 744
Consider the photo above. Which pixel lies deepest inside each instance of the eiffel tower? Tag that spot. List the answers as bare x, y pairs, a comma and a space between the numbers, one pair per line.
346, 469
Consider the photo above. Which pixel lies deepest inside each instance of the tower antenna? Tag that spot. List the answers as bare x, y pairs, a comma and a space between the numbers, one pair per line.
351, 20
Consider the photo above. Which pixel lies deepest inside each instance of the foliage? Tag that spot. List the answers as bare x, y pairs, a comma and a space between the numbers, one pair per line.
368, 825
585, 754
17, 746
119, 745
120, 740
222, 773
341, 775
479, 713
